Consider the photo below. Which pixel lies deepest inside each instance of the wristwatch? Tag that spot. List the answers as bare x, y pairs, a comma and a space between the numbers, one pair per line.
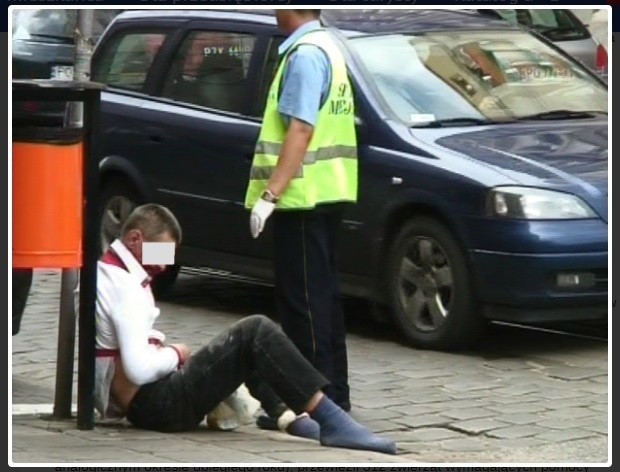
269, 196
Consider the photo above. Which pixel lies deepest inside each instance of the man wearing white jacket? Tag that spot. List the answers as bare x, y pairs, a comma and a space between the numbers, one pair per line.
162, 387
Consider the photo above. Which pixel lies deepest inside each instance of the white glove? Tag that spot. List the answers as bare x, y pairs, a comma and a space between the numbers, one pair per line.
261, 211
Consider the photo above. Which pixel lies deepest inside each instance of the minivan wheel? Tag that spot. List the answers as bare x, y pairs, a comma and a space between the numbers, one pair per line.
118, 200
163, 282
430, 291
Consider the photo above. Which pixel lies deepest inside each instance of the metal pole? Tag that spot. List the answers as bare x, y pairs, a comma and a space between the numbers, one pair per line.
88, 277
66, 325
66, 328
66, 345
86, 355
81, 62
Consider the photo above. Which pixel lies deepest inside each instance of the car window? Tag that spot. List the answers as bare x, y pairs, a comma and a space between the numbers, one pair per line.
495, 75
210, 70
269, 70
126, 60
555, 25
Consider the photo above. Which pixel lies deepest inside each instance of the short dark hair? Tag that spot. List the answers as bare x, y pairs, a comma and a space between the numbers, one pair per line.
153, 221
314, 12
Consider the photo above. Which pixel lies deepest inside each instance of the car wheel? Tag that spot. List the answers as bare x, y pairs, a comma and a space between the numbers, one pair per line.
430, 291
118, 200
163, 282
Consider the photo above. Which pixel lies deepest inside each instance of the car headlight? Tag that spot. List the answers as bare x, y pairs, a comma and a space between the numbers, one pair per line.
537, 204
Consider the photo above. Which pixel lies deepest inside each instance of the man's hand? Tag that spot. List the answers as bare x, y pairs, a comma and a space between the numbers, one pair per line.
260, 213
183, 351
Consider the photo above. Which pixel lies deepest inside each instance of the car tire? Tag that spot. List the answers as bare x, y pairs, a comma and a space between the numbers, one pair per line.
118, 199
430, 288
163, 282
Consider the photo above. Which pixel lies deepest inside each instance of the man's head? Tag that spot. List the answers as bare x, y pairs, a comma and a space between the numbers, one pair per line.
290, 20
150, 223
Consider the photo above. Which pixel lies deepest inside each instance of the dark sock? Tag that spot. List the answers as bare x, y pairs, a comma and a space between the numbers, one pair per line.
302, 426
338, 429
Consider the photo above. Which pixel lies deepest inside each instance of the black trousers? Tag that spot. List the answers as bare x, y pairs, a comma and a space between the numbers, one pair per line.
22, 280
253, 350
308, 291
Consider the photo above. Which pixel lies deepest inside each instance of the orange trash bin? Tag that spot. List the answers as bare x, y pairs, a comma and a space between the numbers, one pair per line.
47, 197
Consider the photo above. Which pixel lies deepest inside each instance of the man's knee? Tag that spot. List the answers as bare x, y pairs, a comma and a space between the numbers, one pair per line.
259, 321
259, 325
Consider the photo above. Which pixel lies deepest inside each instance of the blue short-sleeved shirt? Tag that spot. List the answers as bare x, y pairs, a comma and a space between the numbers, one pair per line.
306, 78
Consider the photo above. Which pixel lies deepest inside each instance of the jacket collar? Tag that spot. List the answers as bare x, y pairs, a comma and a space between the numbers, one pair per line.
131, 263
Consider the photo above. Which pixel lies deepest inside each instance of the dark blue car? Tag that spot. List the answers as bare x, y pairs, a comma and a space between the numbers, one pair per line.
482, 156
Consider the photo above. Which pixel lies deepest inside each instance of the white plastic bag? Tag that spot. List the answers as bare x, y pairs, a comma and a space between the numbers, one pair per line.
237, 410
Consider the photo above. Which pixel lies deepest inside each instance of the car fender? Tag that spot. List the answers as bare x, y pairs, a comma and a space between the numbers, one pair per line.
118, 166
404, 206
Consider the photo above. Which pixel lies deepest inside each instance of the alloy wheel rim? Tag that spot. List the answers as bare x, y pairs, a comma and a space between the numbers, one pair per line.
115, 213
425, 284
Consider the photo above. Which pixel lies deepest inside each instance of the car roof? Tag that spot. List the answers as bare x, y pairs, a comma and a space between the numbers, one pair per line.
350, 21
250, 16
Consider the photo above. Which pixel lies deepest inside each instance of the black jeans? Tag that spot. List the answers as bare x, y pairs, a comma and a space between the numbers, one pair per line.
308, 290
22, 280
253, 350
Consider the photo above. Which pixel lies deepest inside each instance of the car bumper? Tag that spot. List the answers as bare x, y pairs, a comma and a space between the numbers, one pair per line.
527, 287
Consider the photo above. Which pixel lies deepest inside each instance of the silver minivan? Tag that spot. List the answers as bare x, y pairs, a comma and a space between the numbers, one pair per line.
563, 28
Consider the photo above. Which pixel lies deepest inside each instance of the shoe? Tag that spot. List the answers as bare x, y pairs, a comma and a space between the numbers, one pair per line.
266, 422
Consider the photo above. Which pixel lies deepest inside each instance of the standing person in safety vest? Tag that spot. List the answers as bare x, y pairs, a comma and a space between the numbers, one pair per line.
304, 170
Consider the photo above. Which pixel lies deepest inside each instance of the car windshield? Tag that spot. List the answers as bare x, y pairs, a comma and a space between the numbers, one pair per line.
556, 25
475, 75
55, 24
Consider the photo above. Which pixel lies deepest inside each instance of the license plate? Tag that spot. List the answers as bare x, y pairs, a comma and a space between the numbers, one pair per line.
62, 73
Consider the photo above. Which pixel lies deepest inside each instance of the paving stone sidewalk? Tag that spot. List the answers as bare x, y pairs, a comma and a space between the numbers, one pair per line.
522, 397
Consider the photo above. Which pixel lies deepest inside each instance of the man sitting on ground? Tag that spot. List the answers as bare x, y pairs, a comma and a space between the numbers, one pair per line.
162, 387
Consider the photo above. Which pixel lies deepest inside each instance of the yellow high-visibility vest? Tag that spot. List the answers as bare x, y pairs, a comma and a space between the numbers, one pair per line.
329, 169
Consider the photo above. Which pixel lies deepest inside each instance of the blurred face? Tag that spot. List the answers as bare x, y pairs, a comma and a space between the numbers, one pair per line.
135, 241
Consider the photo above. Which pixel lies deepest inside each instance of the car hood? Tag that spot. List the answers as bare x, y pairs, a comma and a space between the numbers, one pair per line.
559, 155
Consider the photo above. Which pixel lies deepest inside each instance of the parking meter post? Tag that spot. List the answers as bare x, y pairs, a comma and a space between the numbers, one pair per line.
88, 276
66, 345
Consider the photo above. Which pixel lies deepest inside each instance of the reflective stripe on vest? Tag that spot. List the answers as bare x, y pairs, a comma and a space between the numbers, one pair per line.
265, 172
329, 152
329, 168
